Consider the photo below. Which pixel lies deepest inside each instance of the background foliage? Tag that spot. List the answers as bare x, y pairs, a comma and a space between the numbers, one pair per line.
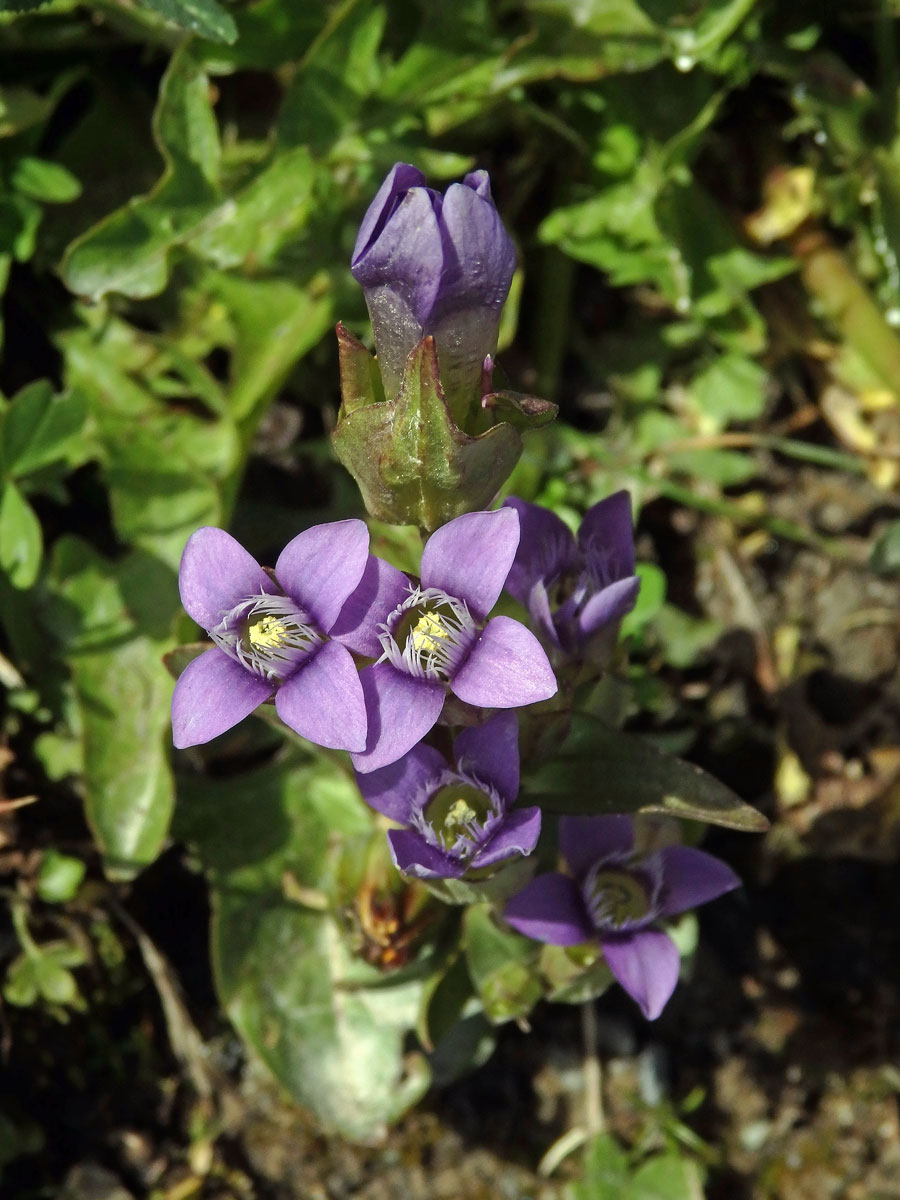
706, 199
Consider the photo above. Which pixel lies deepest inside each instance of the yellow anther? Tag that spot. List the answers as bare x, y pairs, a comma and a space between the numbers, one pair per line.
268, 633
460, 813
428, 633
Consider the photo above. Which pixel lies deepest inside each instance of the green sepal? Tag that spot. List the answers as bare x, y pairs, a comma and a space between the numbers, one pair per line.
360, 379
520, 410
413, 463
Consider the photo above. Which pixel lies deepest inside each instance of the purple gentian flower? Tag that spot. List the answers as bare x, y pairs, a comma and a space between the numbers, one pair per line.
616, 895
458, 815
434, 636
273, 637
574, 590
433, 264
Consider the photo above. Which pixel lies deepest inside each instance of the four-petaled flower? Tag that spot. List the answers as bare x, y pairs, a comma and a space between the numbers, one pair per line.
458, 815
574, 590
615, 894
273, 637
438, 265
434, 636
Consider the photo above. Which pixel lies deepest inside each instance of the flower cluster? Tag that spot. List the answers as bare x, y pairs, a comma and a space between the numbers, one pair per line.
359, 656
292, 634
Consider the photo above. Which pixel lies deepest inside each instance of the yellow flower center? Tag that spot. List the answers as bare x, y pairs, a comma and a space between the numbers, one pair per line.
428, 633
458, 810
617, 897
268, 633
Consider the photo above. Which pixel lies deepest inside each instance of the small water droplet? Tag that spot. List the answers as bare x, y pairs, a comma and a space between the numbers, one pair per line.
820, 137
684, 62
892, 316
682, 304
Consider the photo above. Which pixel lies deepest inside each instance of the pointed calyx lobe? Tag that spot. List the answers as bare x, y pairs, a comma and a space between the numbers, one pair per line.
412, 462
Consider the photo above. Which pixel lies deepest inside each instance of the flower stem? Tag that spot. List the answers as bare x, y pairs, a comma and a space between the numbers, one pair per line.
594, 1121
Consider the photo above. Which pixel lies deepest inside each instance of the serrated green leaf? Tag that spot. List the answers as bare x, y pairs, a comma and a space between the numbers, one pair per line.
21, 540
601, 770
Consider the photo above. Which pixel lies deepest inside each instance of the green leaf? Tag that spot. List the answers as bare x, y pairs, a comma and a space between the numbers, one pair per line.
59, 877
130, 251
43, 971
606, 1171
650, 598
340, 70
21, 541
276, 324
328, 1026
105, 614
733, 388
46, 181
666, 1177
38, 428
274, 208
600, 770
205, 17
885, 555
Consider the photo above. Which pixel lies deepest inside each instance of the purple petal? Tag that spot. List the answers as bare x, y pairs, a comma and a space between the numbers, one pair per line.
506, 669
490, 752
321, 566
414, 856
381, 589
401, 711
401, 275
609, 525
608, 605
480, 265
323, 701
480, 182
213, 693
470, 557
692, 877
546, 549
391, 790
400, 179
541, 616
518, 834
216, 573
551, 909
586, 840
646, 965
